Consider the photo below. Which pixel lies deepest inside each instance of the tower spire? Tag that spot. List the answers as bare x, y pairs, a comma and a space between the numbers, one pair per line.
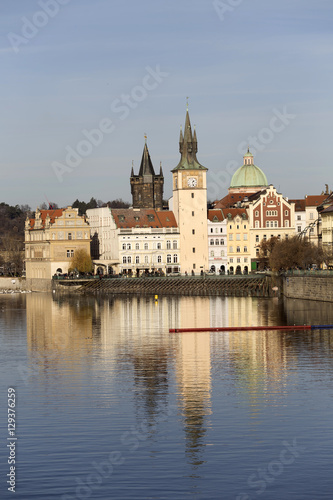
188, 147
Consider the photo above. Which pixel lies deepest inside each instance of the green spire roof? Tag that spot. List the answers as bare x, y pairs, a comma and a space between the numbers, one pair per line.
188, 148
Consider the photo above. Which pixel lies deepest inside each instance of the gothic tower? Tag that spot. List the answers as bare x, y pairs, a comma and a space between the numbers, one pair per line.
147, 187
190, 203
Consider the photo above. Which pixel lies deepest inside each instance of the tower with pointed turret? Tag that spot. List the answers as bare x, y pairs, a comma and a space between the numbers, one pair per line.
190, 203
147, 187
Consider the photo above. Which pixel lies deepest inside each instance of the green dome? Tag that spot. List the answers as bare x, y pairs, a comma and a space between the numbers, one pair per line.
248, 176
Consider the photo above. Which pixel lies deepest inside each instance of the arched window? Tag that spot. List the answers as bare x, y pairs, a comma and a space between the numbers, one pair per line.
129, 246
217, 242
137, 246
174, 244
146, 259
222, 242
129, 259
212, 253
212, 242
137, 259
169, 259
159, 259
175, 258
146, 246
124, 246
124, 260
168, 244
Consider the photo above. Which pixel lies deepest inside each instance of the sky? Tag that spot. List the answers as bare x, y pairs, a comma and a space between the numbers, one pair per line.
83, 81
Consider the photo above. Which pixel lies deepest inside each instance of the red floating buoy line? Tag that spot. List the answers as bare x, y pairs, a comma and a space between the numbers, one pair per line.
248, 328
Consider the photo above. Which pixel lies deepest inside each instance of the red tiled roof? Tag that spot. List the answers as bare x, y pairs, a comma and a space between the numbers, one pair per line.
299, 205
234, 212
315, 200
53, 214
215, 213
140, 218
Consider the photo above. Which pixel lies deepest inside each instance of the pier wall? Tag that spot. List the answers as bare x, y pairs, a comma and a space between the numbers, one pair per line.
316, 287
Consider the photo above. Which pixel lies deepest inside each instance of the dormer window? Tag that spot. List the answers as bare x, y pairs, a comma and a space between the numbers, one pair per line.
121, 218
151, 217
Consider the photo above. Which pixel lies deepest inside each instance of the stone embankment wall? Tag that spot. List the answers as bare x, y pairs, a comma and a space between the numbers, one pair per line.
315, 287
31, 285
12, 284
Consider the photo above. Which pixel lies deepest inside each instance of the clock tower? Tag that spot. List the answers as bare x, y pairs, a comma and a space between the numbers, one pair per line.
190, 203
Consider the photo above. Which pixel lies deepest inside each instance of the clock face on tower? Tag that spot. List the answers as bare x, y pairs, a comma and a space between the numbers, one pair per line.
192, 182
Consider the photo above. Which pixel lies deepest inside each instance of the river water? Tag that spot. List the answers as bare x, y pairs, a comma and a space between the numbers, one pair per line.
110, 405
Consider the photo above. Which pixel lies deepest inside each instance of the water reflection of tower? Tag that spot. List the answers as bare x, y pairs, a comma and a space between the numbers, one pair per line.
194, 374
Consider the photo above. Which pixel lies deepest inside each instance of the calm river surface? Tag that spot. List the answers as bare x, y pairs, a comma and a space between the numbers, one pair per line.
110, 405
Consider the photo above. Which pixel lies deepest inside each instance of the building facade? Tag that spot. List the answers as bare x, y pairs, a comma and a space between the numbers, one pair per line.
217, 242
51, 240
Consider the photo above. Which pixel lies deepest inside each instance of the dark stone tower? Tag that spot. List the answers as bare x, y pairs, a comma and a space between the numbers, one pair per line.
147, 187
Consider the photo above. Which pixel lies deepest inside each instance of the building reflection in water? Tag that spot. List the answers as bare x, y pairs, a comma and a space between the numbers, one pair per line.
69, 335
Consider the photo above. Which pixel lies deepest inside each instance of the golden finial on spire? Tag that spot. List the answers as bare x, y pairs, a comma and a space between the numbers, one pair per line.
146, 138
187, 98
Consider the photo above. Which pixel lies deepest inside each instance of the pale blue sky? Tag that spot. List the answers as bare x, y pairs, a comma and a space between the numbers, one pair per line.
241, 67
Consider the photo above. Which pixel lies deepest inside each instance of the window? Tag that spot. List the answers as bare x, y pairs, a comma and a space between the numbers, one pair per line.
238, 260
299, 229
286, 213
124, 246
222, 242
256, 213
238, 249
137, 246
245, 259
124, 260
245, 237
168, 259
193, 231
244, 226
137, 259
272, 223
168, 244
311, 216
245, 249
70, 234
146, 246
265, 237
231, 237
175, 258
256, 224
275, 223
221, 230
159, 259
286, 223
193, 266
159, 246
267, 223
237, 226
129, 260
174, 245
192, 214
193, 250
230, 227
257, 238
151, 217
212, 253
146, 259
257, 252
129, 246
238, 237
192, 195
231, 260
216, 230
217, 242
70, 253
298, 217
212, 242
231, 249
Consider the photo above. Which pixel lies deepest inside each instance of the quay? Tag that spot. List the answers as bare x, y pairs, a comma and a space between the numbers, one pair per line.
238, 285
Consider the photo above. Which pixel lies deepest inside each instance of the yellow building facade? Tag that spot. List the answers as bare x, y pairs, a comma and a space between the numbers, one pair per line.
51, 239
